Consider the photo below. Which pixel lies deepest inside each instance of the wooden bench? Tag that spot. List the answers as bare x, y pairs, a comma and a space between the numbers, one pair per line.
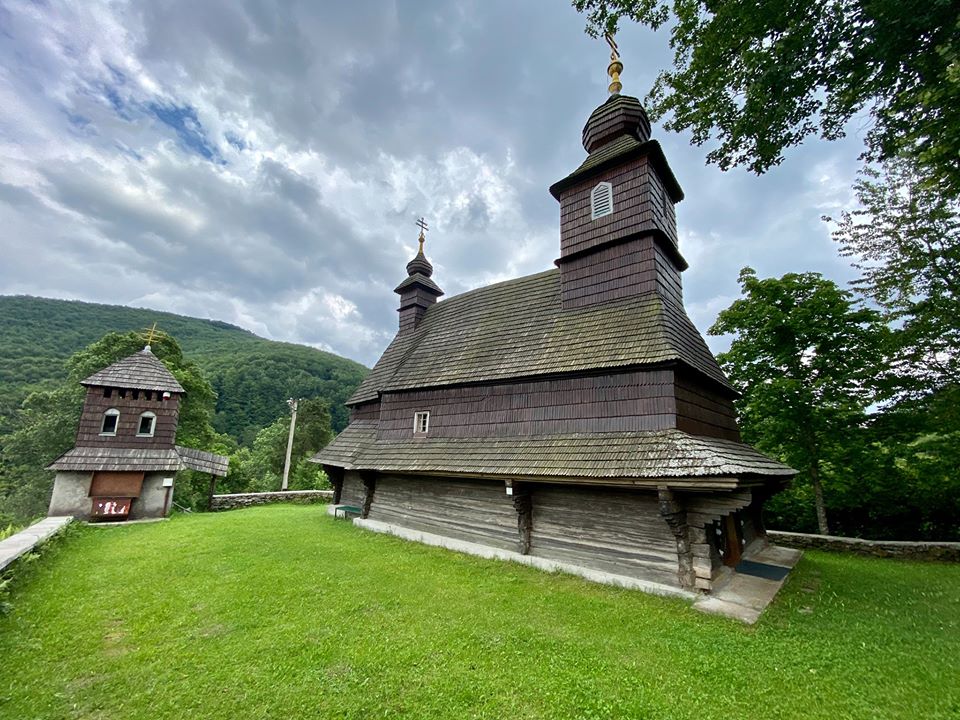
347, 510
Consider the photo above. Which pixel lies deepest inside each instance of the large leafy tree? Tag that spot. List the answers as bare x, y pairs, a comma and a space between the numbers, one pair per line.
803, 356
762, 75
260, 467
905, 240
46, 424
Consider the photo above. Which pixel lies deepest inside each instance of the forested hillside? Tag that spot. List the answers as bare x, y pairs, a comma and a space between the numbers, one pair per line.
252, 376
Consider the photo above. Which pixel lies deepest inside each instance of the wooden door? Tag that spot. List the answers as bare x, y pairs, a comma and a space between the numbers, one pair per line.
116, 484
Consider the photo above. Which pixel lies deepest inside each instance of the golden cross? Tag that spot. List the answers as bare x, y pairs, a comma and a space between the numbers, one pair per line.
422, 224
152, 331
614, 51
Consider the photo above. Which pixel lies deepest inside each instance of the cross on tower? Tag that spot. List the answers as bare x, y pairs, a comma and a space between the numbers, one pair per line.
422, 224
614, 50
150, 332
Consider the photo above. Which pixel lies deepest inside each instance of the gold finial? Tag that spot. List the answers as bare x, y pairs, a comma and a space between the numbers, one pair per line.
422, 224
615, 67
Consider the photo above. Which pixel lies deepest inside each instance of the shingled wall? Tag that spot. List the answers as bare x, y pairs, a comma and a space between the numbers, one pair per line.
640, 202
620, 270
130, 406
639, 400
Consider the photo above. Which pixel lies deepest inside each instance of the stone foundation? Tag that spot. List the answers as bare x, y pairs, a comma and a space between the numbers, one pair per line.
242, 500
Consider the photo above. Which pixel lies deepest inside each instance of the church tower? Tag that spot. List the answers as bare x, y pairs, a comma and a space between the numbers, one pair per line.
126, 456
418, 292
618, 227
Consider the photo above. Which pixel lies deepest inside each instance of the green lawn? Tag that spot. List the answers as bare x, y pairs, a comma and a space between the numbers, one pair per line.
283, 612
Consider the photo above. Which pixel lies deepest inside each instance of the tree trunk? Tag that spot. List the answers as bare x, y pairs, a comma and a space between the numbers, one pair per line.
818, 500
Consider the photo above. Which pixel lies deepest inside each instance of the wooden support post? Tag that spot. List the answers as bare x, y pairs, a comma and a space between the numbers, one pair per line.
676, 516
523, 504
369, 488
211, 491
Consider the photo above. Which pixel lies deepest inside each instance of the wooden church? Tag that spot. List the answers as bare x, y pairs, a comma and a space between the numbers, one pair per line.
575, 415
125, 460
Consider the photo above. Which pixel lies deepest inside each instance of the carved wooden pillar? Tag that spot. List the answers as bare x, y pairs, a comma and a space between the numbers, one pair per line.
676, 516
335, 475
523, 504
369, 487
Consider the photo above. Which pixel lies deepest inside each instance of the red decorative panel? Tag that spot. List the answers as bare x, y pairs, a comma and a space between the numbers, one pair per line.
116, 508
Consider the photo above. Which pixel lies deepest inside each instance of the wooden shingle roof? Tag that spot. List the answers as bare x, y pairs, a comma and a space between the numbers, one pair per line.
140, 371
641, 455
518, 329
111, 459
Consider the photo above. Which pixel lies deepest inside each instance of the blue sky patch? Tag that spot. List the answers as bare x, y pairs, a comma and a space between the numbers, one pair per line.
235, 140
183, 120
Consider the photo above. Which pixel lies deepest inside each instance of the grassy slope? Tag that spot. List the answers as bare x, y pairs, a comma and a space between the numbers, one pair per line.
252, 375
284, 612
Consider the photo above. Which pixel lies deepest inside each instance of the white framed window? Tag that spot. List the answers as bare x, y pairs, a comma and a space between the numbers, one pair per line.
148, 421
601, 200
421, 423
110, 420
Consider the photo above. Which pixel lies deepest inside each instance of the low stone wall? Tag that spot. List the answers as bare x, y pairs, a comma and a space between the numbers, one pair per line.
946, 551
242, 500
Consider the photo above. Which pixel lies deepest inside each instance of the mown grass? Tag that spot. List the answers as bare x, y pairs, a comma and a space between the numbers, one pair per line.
282, 612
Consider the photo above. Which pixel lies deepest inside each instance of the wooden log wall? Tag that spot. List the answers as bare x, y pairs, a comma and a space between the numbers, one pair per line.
630, 401
353, 490
612, 531
478, 511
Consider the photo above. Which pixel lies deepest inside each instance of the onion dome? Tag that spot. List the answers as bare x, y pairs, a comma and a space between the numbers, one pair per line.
420, 264
620, 115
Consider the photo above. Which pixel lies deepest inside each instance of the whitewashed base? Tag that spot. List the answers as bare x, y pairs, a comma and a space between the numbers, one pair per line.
492, 553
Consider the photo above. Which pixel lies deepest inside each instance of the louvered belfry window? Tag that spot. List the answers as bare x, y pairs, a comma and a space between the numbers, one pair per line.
601, 200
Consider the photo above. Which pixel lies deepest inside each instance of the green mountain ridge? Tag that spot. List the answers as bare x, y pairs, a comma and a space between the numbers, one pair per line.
252, 376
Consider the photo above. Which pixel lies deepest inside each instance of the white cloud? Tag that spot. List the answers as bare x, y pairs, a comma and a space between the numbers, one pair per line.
264, 165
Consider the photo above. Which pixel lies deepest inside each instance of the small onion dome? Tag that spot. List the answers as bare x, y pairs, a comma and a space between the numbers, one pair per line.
420, 264
619, 115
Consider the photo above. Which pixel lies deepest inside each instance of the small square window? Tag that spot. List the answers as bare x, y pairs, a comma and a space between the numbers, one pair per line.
108, 392
147, 423
421, 423
109, 426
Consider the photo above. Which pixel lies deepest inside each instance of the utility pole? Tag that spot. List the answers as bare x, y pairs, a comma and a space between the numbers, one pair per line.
292, 402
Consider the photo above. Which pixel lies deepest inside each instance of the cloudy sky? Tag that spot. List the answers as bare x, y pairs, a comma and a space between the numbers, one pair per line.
263, 163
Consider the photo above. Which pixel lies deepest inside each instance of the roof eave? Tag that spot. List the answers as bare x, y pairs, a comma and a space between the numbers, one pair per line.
650, 148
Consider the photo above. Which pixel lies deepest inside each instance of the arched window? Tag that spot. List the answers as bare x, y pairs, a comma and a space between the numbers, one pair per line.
148, 421
110, 419
601, 200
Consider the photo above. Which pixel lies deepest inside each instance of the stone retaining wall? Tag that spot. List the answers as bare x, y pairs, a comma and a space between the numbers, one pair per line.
242, 500
947, 551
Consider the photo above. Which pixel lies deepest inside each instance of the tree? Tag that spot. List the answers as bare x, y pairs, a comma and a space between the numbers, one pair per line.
905, 240
260, 467
46, 424
803, 358
764, 74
